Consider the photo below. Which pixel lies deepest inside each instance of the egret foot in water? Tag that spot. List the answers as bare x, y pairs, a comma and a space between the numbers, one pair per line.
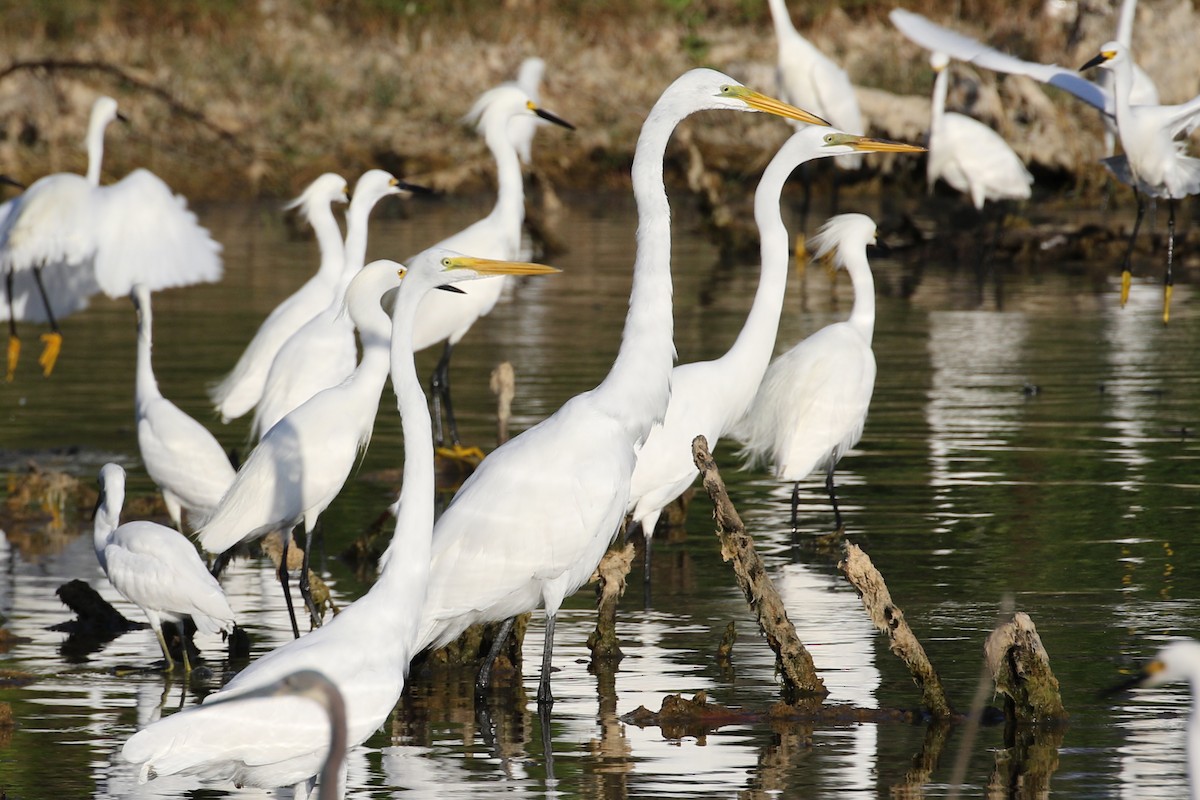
458, 452
49, 356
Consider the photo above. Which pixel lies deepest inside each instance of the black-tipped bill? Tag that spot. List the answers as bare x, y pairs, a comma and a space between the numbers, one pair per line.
1143, 675
1098, 60
412, 187
546, 115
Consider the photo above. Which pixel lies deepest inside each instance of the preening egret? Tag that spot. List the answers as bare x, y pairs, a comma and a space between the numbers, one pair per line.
242, 388
708, 397
300, 464
969, 155
155, 568
322, 352
1178, 661
67, 237
364, 650
446, 317
532, 522
185, 461
1153, 162
812, 404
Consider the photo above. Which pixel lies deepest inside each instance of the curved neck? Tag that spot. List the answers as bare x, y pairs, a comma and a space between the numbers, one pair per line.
95, 148
355, 251
1125, 22
329, 241
938, 112
147, 386
108, 515
782, 20
862, 316
510, 198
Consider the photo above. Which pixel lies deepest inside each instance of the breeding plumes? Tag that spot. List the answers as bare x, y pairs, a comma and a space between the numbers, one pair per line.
446, 317
969, 155
67, 237
242, 388
709, 397
181, 456
322, 352
155, 568
300, 464
365, 650
812, 404
532, 522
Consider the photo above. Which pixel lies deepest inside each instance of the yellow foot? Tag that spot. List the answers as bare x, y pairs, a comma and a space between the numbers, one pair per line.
49, 356
469, 455
1126, 279
14, 355
1167, 290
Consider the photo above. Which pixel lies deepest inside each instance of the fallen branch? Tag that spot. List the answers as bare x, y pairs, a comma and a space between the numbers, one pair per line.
795, 664
610, 585
1020, 667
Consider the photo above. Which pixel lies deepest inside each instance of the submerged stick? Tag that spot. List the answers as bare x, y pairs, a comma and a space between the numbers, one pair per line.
503, 384
610, 585
794, 662
1020, 667
889, 619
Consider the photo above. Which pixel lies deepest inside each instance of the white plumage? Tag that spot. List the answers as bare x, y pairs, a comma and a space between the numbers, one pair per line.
155, 568
812, 404
242, 388
181, 456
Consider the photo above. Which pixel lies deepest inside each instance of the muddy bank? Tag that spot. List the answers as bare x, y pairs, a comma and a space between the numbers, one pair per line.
259, 100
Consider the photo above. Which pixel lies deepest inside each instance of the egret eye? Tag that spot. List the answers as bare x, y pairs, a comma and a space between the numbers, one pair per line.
829, 138
446, 263
726, 89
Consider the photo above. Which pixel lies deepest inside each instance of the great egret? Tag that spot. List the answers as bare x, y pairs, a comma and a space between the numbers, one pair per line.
155, 568
364, 650
529, 526
300, 464
242, 388
969, 155
322, 352
185, 461
1153, 163
708, 397
1177, 661
67, 237
812, 404
446, 317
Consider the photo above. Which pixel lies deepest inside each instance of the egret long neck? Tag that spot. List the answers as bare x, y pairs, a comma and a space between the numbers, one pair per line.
784, 29
329, 241
1122, 88
937, 113
862, 316
509, 210
95, 148
355, 253
147, 386
107, 518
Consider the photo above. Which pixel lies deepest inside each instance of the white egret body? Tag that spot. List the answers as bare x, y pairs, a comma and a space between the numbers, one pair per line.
709, 397
182, 457
812, 404
532, 522
242, 388
155, 568
364, 650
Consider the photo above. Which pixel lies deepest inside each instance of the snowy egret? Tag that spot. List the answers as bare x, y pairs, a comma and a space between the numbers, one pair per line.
532, 522
364, 650
1177, 661
322, 352
155, 568
1153, 162
969, 155
182, 457
445, 316
242, 388
708, 397
67, 237
300, 464
812, 404
522, 128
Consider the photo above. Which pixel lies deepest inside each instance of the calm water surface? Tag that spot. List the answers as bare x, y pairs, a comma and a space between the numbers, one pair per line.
1041, 446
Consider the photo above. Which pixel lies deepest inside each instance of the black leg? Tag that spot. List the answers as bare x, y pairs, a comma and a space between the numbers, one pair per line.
37, 276
1168, 279
52, 340
837, 515
14, 341
306, 587
283, 581
1126, 269
222, 561
484, 680
439, 390
547, 745
544, 695
795, 511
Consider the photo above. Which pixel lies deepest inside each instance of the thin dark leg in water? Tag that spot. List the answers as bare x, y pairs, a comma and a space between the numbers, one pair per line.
837, 515
648, 539
1126, 268
547, 745
221, 561
14, 341
283, 581
439, 389
37, 276
544, 696
305, 586
484, 679
1168, 279
795, 510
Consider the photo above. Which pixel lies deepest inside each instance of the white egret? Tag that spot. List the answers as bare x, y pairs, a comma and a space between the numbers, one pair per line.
364, 650
1177, 661
1154, 163
969, 155
300, 464
67, 237
242, 388
155, 568
709, 397
812, 404
446, 317
322, 352
532, 522
181, 456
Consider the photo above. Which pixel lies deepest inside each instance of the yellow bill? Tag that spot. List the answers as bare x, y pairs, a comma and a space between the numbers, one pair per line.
867, 144
486, 266
769, 105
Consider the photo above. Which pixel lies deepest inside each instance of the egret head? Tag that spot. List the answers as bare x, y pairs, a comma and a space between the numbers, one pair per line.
328, 188
939, 61
1110, 54
497, 106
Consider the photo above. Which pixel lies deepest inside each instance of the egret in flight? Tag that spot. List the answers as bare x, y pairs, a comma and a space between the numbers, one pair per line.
364, 650
812, 404
709, 397
446, 317
242, 388
181, 456
67, 237
529, 526
155, 568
